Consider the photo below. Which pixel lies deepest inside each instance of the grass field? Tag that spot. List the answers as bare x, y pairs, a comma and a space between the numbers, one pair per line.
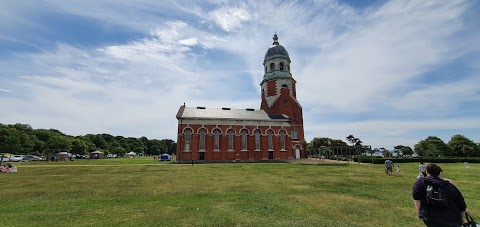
141, 192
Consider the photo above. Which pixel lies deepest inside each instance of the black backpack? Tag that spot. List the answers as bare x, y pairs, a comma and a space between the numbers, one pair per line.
435, 195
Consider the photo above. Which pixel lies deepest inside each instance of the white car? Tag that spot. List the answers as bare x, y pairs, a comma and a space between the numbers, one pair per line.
5, 158
16, 158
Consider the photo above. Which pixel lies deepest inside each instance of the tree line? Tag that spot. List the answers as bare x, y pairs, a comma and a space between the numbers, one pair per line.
432, 146
23, 139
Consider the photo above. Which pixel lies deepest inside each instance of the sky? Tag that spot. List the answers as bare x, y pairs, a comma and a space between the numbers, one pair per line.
388, 72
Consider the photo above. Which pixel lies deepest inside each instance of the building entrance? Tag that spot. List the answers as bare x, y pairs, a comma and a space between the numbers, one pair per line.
270, 155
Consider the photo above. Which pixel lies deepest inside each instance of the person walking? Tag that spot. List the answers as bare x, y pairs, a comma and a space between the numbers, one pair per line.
421, 169
388, 166
438, 201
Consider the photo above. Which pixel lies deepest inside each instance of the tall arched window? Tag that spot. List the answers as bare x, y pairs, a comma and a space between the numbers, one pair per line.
202, 139
244, 139
230, 139
216, 139
281, 66
257, 139
270, 140
272, 67
188, 135
282, 140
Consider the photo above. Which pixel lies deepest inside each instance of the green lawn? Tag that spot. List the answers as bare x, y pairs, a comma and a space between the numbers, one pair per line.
141, 192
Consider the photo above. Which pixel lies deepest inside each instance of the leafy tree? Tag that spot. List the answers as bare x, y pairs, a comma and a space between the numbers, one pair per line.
10, 140
119, 151
318, 142
171, 146
398, 149
134, 143
463, 147
15, 141
354, 141
43, 135
59, 142
432, 146
79, 146
99, 142
406, 150
338, 142
138, 150
22, 127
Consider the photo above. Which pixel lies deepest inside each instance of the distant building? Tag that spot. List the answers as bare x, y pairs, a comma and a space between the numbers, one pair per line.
274, 132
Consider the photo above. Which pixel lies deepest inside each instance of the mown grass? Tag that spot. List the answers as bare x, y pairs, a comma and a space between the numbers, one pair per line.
123, 192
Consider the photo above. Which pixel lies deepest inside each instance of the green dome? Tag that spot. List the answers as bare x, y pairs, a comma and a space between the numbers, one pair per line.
276, 50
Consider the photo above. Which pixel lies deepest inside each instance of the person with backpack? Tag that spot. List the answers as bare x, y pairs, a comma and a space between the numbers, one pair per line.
438, 201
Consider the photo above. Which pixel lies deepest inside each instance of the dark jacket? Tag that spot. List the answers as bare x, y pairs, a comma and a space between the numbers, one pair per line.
449, 216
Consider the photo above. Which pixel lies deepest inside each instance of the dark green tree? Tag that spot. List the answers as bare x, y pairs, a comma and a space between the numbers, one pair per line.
10, 141
406, 150
463, 147
432, 146
79, 146
59, 142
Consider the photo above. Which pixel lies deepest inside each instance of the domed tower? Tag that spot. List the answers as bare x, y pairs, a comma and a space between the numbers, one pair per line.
279, 93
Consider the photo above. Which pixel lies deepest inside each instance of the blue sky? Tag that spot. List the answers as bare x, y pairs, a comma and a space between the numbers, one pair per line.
388, 72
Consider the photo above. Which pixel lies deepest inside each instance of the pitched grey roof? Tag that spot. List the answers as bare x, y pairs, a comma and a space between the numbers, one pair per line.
227, 113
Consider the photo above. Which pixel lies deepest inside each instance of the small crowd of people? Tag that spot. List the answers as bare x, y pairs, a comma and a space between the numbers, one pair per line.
437, 199
8, 168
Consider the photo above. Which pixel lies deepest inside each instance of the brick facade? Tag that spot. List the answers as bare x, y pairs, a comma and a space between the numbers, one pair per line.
280, 115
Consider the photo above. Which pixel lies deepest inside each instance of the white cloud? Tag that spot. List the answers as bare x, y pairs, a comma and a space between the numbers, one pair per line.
5, 90
229, 18
371, 66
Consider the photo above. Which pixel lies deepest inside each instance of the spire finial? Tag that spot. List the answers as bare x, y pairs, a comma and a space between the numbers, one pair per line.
275, 39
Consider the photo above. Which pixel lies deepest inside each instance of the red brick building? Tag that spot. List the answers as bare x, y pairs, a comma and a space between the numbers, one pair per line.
274, 132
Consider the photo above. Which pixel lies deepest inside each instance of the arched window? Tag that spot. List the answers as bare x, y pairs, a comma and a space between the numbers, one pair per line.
282, 140
216, 139
244, 139
202, 139
281, 66
265, 69
188, 135
270, 140
257, 139
230, 139
272, 67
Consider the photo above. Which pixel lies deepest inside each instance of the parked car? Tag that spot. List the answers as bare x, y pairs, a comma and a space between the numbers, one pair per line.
5, 158
16, 158
31, 158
